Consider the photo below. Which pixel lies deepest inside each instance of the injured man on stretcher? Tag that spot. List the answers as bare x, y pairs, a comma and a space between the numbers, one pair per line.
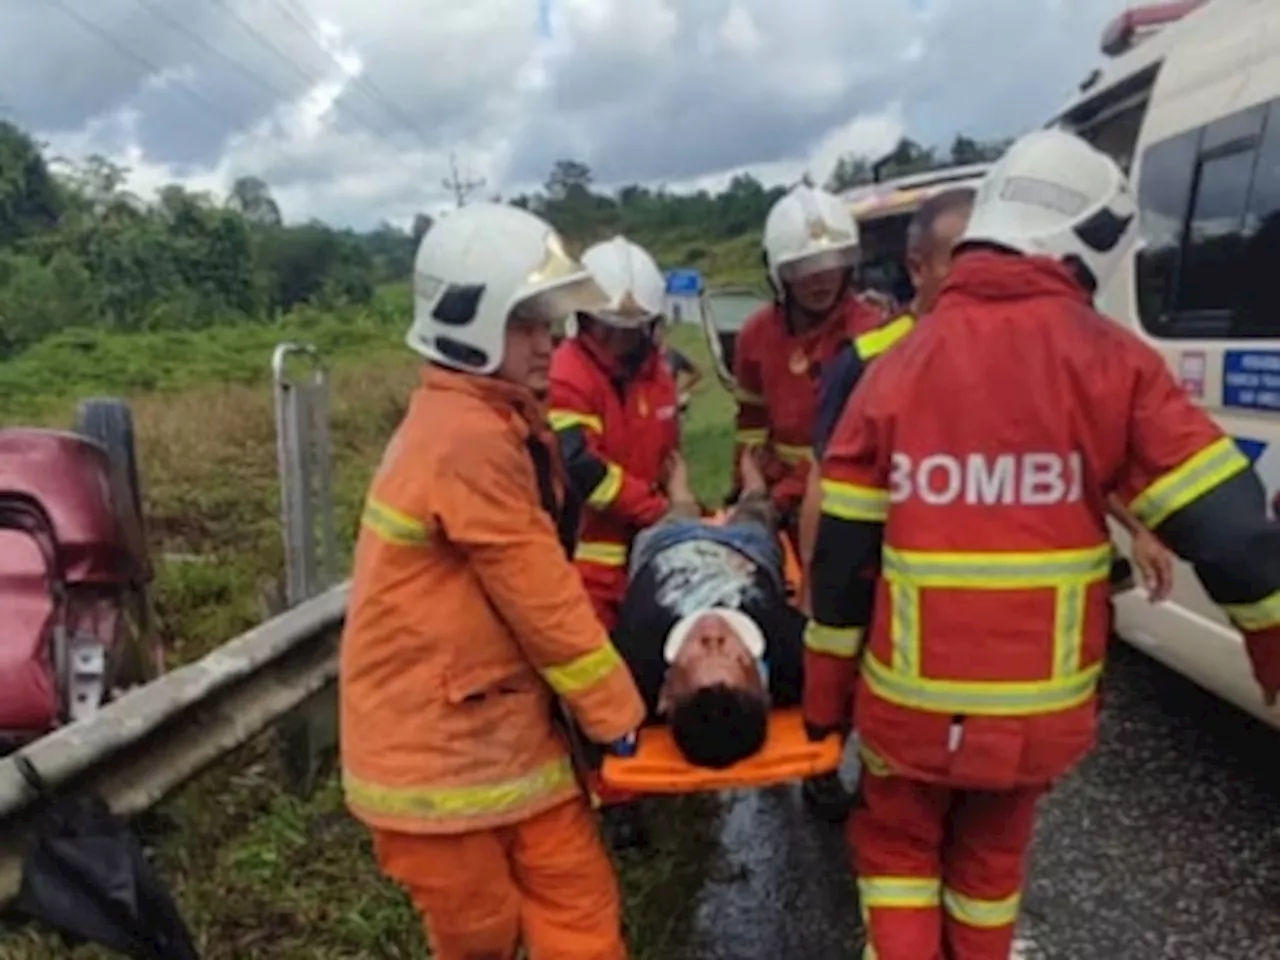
707, 630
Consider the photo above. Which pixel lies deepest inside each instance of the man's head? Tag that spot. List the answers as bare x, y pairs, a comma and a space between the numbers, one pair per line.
1053, 194
626, 326
715, 696
931, 236
811, 248
491, 283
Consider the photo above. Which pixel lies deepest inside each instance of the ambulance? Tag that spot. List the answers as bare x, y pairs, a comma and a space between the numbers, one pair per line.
1188, 103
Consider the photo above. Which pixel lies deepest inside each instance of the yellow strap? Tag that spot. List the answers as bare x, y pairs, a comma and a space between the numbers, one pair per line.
604, 554
443, 803
875, 342
607, 490
752, 436
392, 525
568, 419
1259, 615
979, 912
844, 642
791, 453
1188, 482
849, 501
1012, 698
909, 893
582, 672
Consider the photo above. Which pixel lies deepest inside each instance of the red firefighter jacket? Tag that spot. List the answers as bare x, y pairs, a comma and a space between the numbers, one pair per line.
975, 461
778, 376
616, 432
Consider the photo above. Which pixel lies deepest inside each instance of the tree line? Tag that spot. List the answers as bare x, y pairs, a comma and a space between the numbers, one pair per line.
79, 249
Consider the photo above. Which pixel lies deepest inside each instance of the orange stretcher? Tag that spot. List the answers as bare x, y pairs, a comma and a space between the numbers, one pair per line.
658, 767
787, 754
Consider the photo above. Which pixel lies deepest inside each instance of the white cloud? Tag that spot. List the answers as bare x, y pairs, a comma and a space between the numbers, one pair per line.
349, 108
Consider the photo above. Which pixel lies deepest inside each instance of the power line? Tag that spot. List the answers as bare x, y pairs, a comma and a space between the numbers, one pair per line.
97, 30
306, 23
459, 187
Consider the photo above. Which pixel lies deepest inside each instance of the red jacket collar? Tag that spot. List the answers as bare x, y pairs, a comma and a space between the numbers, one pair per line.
991, 276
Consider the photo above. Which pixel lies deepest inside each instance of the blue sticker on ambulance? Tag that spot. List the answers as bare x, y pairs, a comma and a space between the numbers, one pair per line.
1251, 379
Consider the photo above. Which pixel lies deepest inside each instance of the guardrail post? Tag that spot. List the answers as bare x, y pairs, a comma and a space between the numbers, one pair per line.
307, 739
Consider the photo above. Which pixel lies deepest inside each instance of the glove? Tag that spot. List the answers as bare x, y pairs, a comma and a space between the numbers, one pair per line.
625, 746
1264, 654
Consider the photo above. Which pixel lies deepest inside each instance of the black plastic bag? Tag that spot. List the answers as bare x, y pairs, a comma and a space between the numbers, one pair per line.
87, 876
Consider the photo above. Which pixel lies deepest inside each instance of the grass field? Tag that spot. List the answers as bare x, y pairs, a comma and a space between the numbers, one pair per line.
260, 873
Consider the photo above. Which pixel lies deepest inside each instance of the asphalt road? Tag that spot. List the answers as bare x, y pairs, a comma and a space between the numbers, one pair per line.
1164, 845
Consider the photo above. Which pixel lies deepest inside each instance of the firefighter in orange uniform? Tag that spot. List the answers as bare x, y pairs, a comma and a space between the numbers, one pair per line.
615, 409
811, 251
974, 464
466, 620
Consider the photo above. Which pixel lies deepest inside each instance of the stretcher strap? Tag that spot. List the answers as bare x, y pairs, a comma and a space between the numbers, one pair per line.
787, 754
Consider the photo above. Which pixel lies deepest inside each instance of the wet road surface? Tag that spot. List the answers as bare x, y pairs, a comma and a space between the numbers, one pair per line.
1164, 845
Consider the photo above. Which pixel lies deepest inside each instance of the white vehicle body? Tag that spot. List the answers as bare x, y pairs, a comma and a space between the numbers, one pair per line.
1193, 112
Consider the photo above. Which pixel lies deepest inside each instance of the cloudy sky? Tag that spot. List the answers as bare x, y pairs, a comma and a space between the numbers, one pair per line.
349, 109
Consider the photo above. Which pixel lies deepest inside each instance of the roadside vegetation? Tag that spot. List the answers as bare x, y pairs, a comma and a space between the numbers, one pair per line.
176, 302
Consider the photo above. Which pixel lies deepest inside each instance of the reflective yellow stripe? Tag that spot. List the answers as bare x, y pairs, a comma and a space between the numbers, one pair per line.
872, 762
747, 398
998, 570
389, 524
834, 641
976, 912
907, 893
752, 436
849, 501
442, 803
606, 491
605, 554
568, 419
792, 453
1067, 572
1260, 615
1216, 463
875, 342
580, 673
972, 697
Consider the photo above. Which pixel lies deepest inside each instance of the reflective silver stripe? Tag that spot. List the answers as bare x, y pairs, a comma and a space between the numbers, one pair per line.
976, 912
849, 501
834, 641
1188, 482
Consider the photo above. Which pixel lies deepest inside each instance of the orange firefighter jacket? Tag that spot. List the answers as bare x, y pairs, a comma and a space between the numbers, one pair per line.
778, 375
466, 620
974, 463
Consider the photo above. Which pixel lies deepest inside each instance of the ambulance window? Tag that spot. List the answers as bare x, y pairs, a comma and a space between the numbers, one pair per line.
1209, 280
1258, 307
1164, 189
1117, 134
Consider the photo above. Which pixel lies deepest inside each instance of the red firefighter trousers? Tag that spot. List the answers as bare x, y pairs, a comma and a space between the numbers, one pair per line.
546, 882
940, 871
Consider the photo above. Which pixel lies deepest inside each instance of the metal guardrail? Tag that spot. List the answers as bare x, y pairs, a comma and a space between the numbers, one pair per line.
153, 739
281, 674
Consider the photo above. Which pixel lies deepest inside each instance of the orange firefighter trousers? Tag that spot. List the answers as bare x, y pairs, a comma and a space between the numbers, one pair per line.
546, 883
940, 870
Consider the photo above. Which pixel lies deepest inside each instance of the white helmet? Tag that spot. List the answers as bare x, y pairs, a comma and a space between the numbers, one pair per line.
1052, 194
630, 279
809, 231
478, 265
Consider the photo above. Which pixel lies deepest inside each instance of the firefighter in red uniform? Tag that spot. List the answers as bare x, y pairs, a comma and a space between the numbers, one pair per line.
974, 464
811, 252
615, 409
